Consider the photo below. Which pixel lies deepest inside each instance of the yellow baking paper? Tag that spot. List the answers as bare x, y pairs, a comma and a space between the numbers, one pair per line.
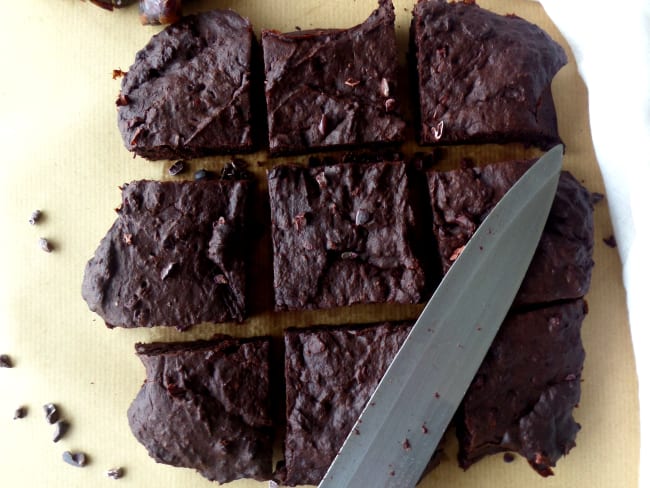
61, 153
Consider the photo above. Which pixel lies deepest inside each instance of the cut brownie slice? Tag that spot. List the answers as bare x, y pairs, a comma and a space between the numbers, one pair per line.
524, 393
341, 235
330, 374
561, 267
332, 88
174, 256
205, 405
188, 92
483, 77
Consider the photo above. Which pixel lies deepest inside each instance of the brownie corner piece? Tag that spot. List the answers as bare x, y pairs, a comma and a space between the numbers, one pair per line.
173, 256
330, 374
331, 88
188, 92
342, 235
483, 77
524, 393
206, 405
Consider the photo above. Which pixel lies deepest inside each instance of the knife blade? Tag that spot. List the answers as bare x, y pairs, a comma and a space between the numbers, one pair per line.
402, 423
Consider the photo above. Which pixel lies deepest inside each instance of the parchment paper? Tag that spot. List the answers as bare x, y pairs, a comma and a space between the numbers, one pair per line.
62, 153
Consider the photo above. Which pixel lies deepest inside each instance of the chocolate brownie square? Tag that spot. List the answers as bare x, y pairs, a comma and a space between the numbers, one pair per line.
330, 374
523, 395
187, 93
328, 88
483, 77
174, 256
342, 235
562, 264
205, 405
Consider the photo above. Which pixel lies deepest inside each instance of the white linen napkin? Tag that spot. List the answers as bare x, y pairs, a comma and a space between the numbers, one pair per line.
611, 43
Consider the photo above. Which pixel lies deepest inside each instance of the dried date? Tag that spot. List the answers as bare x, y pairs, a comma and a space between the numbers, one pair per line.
156, 12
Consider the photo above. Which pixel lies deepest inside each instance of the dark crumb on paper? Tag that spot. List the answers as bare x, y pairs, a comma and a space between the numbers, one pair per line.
35, 217
203, 174
508, 457
45, 245
392, 473
20, 413
610, 241
596, 197
406, 445
436, 394
177, 168
60, 429
356, 432
115, 473
77, 459
5, 361
424, 429
52, 414
118, 73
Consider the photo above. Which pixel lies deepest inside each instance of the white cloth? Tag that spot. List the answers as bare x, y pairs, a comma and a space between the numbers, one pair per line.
611, 43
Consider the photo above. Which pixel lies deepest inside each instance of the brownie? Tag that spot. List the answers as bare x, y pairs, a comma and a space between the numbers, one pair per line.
330, 374
205, 405
342, 235
483, 77
188, 92
562, 264
524, 392
329, 88
174, 256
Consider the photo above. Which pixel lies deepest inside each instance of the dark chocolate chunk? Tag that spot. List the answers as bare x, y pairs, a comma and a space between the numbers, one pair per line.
115, 473
188, 92
45, 245
203, 174
328, 88
177, 168
60, 429
20, 413
483, 77
561, 267
205, 405
159, 262
342, 235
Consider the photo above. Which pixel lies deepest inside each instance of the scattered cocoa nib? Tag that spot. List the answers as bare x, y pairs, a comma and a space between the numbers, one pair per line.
45, 245
177, 168
406, 445
52, 414
5, 361
110, 4
118, 73
203, 174
115, 473
610, 241
77, 459
424, 429
35, 217
508, 457
20, 413
156, 12
60, 429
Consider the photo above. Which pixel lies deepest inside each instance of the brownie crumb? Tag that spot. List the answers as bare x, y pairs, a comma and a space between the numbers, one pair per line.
35, 217
77, 459
610, 241
20, 413
52, 414
508, 457
45, 245
60, 429
177, 168
596, 197
5, 361
115, 473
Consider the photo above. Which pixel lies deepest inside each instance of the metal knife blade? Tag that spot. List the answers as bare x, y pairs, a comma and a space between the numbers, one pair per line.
402, 423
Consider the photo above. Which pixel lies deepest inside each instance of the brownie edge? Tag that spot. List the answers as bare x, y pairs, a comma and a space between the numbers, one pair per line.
206, 405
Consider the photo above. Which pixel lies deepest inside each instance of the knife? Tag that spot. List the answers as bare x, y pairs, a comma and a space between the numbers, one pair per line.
402, 423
